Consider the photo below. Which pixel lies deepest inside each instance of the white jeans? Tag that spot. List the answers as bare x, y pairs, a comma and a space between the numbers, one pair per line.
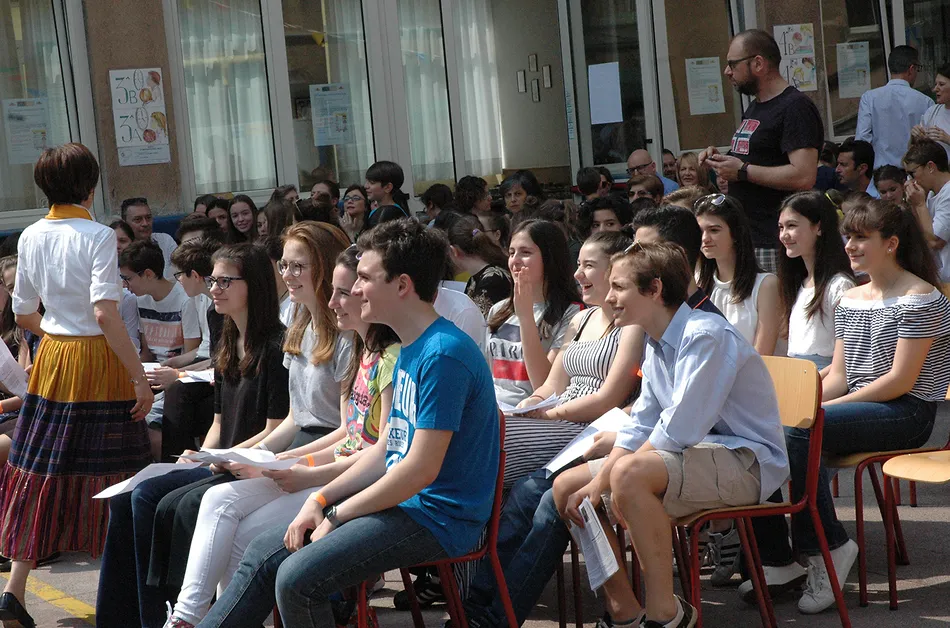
231, 516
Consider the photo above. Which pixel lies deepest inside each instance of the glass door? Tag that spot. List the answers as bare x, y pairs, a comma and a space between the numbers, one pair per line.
615, 81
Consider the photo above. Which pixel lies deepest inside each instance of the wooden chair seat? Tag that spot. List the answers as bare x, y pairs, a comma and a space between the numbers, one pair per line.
690, 519
847, 461
933, 467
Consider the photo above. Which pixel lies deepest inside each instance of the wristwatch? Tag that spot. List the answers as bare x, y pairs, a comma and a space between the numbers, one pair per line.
330, 515
743, 174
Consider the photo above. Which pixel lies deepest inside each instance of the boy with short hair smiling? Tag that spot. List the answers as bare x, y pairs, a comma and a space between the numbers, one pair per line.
428, 494
704, 433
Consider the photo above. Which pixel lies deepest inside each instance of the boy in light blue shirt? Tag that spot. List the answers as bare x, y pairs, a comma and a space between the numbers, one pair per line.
704, 433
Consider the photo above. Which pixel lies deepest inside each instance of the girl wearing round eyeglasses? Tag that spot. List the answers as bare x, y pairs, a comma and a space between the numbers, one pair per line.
730, 275
251, 399
355, 204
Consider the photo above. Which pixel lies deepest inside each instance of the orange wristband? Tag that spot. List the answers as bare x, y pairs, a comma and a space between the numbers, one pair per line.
310, 461
319, 498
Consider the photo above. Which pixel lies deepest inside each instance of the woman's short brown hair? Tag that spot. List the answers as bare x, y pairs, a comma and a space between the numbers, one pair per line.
67, 173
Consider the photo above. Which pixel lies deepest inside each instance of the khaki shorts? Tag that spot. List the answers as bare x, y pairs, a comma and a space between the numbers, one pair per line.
703, 477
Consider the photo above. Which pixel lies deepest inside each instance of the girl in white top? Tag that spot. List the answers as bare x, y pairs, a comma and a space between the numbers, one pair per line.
813, 274
935, 124
730, 275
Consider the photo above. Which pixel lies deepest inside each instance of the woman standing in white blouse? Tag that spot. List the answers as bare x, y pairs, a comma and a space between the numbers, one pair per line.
80, 429
730, 275
813, 274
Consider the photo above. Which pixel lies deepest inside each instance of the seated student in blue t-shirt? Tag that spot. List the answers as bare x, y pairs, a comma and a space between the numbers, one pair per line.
428, 495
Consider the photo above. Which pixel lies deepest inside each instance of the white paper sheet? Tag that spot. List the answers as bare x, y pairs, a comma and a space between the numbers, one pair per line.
508, 410
151, 471
603, 81
150, 366
252, 457
191, 377
598, 556
612, 421
11, 373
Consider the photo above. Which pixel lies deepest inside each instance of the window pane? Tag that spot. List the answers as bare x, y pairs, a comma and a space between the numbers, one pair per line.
32, 96
423, 57
326, 56
857, 22
927, 24
225, 75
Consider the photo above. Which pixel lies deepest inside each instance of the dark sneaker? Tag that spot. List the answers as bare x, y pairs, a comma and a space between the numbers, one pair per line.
427, 592
688, 620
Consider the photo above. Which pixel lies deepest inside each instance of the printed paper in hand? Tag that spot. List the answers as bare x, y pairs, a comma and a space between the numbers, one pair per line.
11, 373
150, 366
191, 377
548, 403
251, 457
151, 471
613, 421
599, 558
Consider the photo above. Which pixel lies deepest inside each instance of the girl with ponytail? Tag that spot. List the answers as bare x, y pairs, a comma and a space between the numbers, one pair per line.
473, 252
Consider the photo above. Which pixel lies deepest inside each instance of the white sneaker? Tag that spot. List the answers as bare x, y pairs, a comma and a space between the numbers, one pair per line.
818, 594
778, 579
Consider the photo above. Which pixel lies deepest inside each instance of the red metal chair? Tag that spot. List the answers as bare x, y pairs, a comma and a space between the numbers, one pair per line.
799, 395
449, 586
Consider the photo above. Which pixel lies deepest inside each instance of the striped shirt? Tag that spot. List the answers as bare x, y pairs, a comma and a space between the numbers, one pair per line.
506, 353
871, 329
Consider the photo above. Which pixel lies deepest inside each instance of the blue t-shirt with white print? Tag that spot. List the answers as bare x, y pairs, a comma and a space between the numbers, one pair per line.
442, 382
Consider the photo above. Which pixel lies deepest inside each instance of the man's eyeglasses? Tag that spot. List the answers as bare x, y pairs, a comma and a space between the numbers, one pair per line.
732, 63
918, 66
294, 268
127, 278
223, 282
637, 169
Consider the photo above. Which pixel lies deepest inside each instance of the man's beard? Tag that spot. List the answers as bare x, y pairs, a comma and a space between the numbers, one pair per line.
749, 87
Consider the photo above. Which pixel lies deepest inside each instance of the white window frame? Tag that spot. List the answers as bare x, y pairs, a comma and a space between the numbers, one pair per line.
74, 62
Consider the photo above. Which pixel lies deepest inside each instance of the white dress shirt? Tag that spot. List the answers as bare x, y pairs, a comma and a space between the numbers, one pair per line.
885, 117
69, 265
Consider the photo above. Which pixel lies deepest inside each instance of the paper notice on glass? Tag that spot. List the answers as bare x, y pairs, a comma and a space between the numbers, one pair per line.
151, 471
26, 128
598, 556
797, 44
509, 410
331, 113
613, 421
138, 112
603, 81
854, 69
251, 457
191, 377
704, 81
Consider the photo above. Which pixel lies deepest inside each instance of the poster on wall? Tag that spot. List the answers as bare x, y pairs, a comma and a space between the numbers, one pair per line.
603, 80
138, 111
26, 127
704, 82
331, 114
797, 43
854, 69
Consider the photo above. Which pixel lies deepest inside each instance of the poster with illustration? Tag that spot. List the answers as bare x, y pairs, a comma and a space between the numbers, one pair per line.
854, 69
26, 128
138, 112
797, 44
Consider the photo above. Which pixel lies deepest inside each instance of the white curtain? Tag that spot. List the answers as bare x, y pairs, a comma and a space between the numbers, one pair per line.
225, 75
430, 136
346, 51
38, 74
481, 111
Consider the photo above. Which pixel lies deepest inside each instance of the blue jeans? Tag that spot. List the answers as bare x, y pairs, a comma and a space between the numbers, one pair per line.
531, 543
122, 589
301, 583
903, 423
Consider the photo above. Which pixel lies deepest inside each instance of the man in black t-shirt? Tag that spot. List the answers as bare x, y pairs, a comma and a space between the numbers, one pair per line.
774, 151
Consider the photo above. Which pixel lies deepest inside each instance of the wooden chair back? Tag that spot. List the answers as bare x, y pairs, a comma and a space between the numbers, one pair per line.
797, 386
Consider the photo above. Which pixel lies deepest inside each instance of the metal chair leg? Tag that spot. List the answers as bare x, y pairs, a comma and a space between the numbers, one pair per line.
829, 566
414, 607
754, 564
